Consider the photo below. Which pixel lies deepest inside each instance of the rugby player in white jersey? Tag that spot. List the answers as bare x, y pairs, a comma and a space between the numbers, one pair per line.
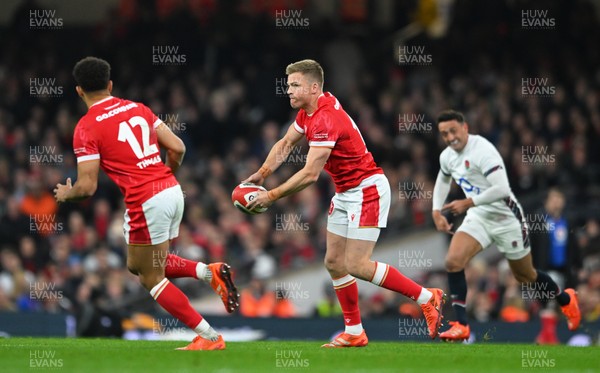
493, 216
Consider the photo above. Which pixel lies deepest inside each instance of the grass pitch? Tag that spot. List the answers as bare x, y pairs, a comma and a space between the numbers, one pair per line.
111, 355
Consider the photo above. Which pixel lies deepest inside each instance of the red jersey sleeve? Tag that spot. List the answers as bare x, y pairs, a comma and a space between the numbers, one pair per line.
85, 145
150, 116
322, 132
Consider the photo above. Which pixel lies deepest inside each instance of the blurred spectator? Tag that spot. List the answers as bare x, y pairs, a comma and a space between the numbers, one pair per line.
589, 242
384, 303
77, 232
27, 252
284, 307
256, 300
553, 242
590, 296
6, 304
14, 279
101, 218
329, 306
101, 261
94, 317
39, 205
13, 224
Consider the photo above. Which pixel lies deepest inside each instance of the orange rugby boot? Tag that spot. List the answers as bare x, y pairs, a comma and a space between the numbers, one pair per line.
433, 311
571, 310
223, 285
458, 332
348, 340
202, 344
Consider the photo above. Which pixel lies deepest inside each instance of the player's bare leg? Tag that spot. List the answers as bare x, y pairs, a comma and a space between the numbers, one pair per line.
359, 264
543, 288
346, 290
141, 260
335, 255
463, 247
523, 269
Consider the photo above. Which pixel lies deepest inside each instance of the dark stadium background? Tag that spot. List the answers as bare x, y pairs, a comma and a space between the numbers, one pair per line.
525, 73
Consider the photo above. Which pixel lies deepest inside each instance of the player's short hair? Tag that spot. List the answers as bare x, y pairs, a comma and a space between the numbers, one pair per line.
92, 74
448, 115
307, 67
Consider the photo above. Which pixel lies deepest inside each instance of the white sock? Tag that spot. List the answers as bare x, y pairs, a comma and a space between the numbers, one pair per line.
206, 331
425, 296
203, 273
354, 329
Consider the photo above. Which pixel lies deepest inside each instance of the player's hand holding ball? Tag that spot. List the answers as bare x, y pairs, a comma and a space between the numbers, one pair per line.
256, 178
250, 198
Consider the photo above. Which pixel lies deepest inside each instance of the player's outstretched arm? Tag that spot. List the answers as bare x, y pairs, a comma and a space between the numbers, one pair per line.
440, 193
85, 186
499, 189
174, 145
315, 161
277, 155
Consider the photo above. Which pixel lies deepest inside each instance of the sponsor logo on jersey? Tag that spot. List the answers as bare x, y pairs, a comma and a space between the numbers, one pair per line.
116, 111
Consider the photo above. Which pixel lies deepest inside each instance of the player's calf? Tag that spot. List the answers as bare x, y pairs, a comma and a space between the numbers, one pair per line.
363, 269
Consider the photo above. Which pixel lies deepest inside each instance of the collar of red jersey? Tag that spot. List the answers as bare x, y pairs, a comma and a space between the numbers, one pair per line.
324, 94
101, 101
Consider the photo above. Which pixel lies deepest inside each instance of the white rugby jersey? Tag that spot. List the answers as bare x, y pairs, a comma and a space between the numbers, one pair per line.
469, 169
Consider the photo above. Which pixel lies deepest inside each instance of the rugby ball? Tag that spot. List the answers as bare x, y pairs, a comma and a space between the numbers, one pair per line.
245, 193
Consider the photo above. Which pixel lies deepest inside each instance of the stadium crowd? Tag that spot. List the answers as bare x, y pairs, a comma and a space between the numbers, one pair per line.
225, 98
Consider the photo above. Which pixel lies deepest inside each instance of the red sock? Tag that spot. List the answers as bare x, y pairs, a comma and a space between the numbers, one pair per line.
547, 334
549, 322
346, 290
176, 267
390, 278
176, 303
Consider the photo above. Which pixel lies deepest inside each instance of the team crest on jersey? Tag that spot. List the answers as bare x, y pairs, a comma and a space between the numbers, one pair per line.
467, 164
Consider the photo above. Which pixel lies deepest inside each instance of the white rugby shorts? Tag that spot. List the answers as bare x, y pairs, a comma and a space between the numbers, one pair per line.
156, 220
510, 235
360, 212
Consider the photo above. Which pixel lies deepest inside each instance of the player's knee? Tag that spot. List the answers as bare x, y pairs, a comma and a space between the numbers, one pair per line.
334, 265
454, 264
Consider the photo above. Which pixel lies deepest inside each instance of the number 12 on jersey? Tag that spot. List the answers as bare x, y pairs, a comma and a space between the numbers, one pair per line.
126, 135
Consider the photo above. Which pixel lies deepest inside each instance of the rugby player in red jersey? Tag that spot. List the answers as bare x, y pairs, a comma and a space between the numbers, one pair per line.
359, 208
124, 139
